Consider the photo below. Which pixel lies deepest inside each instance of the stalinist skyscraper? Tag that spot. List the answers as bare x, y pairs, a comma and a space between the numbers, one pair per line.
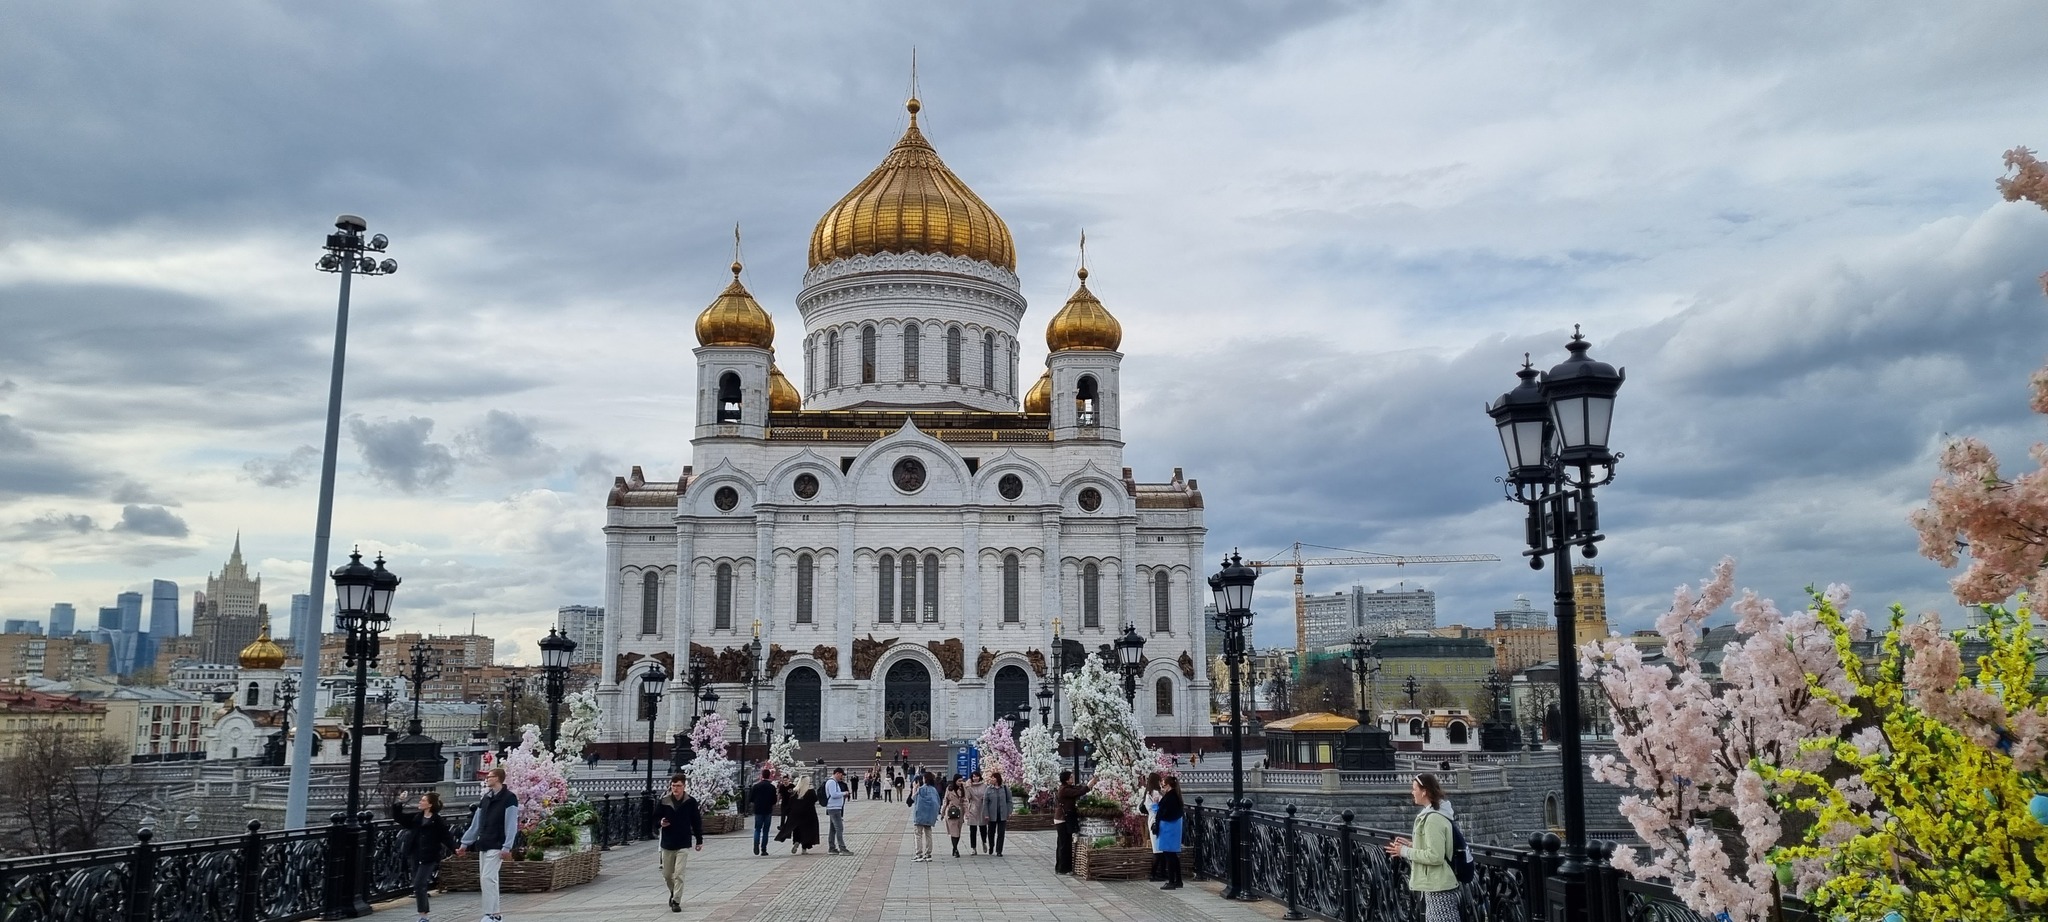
228, 619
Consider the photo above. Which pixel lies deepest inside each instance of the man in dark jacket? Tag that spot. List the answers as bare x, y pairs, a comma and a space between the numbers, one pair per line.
762, 797
682, 828
493, 828
1069, 819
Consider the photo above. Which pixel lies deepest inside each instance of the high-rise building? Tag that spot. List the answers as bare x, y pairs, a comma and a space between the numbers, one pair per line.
585, 625
227, 620
1391, 611
302, 625
22, 626
1589, 591
163, 608
1328, 619
1521, 616
63, 619
110, 618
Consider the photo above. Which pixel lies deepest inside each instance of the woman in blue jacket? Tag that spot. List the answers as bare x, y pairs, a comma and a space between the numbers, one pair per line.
924, 814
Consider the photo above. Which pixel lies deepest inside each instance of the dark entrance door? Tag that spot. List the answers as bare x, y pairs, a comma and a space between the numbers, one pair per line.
1012, 694
803, 704
907, 702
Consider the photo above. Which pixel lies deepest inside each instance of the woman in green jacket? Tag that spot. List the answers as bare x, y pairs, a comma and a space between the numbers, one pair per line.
1428, 851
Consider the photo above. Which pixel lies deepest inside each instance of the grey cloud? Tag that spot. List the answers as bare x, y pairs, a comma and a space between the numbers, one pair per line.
398, 453
286, 471
508, 443
155, 521
53, 525
132, 492
28, 469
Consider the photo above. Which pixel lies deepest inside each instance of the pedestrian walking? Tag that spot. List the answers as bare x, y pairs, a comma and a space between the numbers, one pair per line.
1069, 819
1167, 823
762, 797
493, 826
977, 818
924, 813
954, 806
682, 828
897, 781
1151, 804
997, 804
800, 812
837, 793
1428, 850
430, 841
784, 791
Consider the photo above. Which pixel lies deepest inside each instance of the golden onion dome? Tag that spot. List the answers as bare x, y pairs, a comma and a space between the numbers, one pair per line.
263, 653
1038, 400
735, 319
782, 395
1083, 323
912, 203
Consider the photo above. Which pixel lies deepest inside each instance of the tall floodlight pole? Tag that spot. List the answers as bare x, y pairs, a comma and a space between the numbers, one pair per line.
346, 254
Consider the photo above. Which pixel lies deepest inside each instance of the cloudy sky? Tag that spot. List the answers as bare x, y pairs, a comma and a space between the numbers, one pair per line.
1330, 230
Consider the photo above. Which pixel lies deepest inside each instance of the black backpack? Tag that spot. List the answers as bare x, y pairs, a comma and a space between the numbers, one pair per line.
1461, 854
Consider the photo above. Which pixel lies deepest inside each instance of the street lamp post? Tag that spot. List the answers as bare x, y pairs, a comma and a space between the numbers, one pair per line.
1045, 707
1059, 669
653, 684
425, 666
754, 669
1366, 665
1130, 656
1553, 428
514, 688
1411, 686
287, 692
555, 651
362, 597
348, 255
1233, 589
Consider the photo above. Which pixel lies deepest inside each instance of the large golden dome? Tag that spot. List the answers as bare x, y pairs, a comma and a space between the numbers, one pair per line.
735, 319
782, 395
912, 204
1038, 400
1083, 323
263, 653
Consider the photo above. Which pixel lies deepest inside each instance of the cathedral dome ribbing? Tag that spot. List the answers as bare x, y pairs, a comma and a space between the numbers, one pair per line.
1083, 323
912, 203
735, 319
263, 653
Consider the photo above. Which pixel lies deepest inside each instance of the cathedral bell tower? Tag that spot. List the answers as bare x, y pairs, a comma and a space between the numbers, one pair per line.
1082, 370
735, 364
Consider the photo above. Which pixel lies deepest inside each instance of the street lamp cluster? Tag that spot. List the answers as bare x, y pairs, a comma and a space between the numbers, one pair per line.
1232, 587
556, 650
362, 598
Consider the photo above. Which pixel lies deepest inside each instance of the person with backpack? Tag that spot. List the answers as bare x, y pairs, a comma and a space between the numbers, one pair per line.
1433, 850
428, 842
837, 793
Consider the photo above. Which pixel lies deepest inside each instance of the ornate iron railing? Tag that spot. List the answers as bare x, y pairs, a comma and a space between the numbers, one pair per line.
1341, 871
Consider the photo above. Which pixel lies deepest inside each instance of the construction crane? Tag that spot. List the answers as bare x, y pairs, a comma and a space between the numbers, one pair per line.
1356, 559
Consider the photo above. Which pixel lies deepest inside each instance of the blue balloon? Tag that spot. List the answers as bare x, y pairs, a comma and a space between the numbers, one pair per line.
2039, 808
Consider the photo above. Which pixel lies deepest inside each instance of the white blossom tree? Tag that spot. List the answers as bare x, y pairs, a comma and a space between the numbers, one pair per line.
1041, 753
1104, 718
711, 773
782, 755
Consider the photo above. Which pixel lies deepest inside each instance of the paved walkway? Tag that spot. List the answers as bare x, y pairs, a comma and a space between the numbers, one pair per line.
879, 882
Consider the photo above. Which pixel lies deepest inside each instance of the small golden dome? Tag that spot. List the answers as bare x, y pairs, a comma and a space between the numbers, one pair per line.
782, 395
912, 203
262, 653
735, 319
1038, 400
1083, 323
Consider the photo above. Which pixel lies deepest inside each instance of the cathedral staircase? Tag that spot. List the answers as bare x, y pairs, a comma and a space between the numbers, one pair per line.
859, 755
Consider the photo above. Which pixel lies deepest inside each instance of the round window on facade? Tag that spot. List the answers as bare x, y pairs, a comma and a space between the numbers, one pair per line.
806, 486
725, 499
1091, 499
908, 475
1011, 486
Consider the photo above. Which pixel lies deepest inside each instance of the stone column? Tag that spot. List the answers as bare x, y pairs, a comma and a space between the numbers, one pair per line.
842, 705
685, 629
970, 587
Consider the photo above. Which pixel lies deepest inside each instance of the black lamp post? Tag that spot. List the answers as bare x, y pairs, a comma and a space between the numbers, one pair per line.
1059, 669
767, 731
555, 651
1233, 589
752, 675
698, 678
1130, 656
746, 725
362, 597
287, 692
514, 688
1553, 428
1045, 707
1366, 665
426, 666
653, 684
1411, 687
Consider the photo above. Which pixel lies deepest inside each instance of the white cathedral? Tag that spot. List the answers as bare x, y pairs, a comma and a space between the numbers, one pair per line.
904, 536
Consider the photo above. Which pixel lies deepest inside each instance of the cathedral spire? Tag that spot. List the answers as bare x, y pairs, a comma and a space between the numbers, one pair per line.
236, 557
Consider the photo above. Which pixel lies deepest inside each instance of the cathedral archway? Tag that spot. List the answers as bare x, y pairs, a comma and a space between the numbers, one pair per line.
907, 702
1012, 693
803, 704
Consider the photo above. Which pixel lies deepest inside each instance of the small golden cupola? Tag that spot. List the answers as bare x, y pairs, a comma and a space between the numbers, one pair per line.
1083, 323
782, 395
735, 319
912, 203
1038, 400
263, 653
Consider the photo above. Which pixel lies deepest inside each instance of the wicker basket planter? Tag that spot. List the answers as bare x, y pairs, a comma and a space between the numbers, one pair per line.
717, 823
1120, 863
525, 876
1031, 822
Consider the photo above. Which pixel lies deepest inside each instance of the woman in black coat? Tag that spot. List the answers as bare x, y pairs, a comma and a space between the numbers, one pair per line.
431, 841
802, 814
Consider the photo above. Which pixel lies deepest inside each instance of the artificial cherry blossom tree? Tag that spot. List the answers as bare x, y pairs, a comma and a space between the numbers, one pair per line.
782, 755
1104, 718
1041, 755
998, 751
539, 778
711, 773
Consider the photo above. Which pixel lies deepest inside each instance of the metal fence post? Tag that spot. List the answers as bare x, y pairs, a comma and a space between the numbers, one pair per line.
334, 899
1604, 893
142, 878
1195, 839
1347, 862
363, 867
1288, 842
603, 832
252, 873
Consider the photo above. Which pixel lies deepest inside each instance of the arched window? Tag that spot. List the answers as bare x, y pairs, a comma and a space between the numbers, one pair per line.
885, 589
1162, 697
1012, 611
1550, 812
867, 354
803, 588
952, 355
650, 603
1162, 602
1084, 400
988, 360
1091, 596
722, 605
931, 587
832, 359
909, 607
1456, 732
729, 397
1415, 726
911, 335
255, 695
